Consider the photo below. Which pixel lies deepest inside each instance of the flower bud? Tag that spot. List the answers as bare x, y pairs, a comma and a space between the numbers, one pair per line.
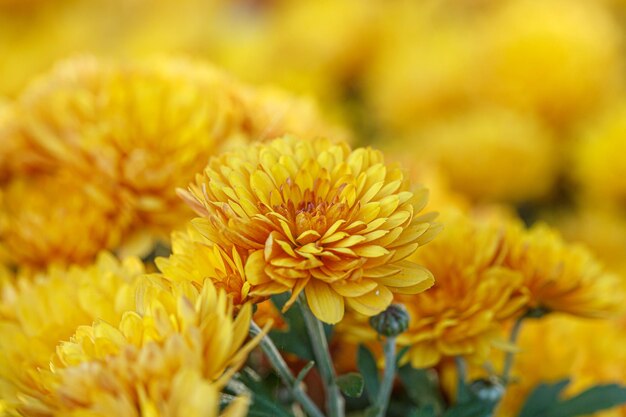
391, 322
488, 390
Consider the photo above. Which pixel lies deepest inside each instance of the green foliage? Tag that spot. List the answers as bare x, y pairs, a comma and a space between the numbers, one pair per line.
351, 384
264, 403
422, 388
295, 339
546, 400
367, 366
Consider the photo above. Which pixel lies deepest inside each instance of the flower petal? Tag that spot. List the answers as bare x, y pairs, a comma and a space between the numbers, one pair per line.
255, 268
324, 302
373, 302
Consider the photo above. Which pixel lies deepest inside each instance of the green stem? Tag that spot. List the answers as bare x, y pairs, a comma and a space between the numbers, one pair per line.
510, 355
315, 328
282, 369
461, 369
382, 400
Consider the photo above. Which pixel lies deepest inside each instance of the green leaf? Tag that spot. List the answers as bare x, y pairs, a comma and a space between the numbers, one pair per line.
422, 387
368, 369
296, 338
545, 400
426, 411
472, 408
262, 406
598, 398
264, 403
543, 397
351, 384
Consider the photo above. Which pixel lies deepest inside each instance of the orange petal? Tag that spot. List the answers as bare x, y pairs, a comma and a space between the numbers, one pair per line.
324, 302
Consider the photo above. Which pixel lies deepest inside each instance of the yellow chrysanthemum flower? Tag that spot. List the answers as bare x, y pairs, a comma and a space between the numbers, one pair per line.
194, 258
473, 295
176, 338
464, 313
38, 312
315, 216
561, 276
491, 153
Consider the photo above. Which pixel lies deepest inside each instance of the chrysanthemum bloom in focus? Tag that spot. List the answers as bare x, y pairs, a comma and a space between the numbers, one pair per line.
142, 129
465, 311
318, 217
39, 312
169, 356
561, 276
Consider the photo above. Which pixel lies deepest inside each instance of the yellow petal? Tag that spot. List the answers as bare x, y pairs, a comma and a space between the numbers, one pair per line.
353, 289
255, 268
324, 302
410, 275
370, 251
373, 302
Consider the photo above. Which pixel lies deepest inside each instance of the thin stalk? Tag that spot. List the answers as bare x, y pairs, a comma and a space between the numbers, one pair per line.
315, 328
280, 366
461, 369
382, 400
510, 355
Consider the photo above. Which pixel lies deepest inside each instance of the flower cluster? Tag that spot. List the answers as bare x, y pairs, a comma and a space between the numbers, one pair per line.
403, 208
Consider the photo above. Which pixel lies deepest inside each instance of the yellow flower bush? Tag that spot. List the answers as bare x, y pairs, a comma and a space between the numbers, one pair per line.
317, 217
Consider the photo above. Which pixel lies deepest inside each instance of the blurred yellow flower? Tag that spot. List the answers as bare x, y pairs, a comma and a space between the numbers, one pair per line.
132, 133
491, 153
423, 64
598, 168
58, 219
561, 276
597, 356
38, 312
318, 217
559, 58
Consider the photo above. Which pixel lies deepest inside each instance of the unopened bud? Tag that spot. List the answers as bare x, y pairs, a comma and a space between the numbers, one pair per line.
392, 321
489, 390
